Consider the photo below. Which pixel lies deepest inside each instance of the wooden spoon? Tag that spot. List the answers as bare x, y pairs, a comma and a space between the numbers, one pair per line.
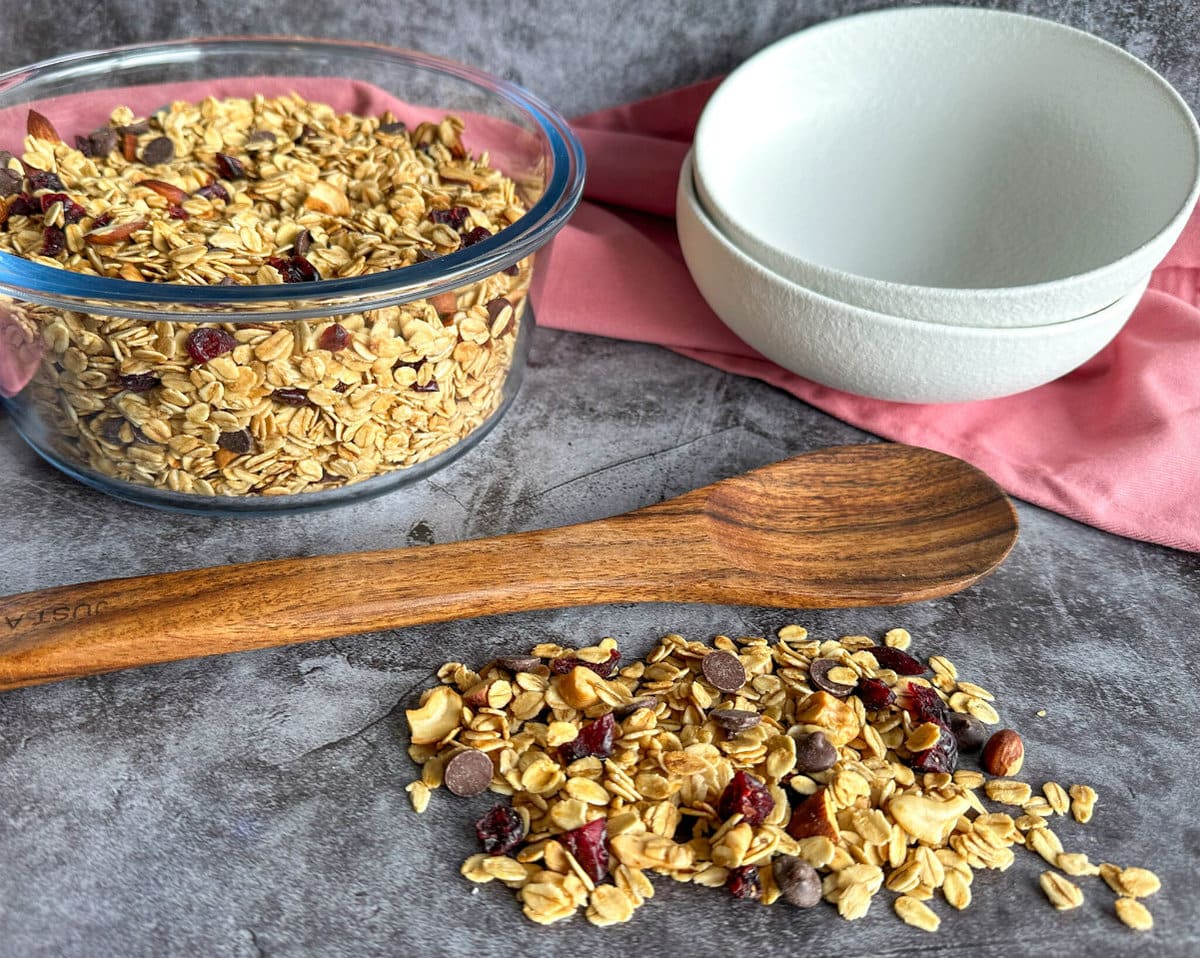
874, 524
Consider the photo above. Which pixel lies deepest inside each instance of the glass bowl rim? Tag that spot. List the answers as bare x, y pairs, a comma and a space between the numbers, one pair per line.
53, 286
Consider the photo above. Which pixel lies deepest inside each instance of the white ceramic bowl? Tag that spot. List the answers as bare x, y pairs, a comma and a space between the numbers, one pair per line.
953, 165
871, 353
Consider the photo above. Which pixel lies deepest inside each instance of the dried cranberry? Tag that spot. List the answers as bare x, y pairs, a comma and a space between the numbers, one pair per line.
177, 212
43, 180
230, 167
72, 211
292, 397
213, 191
563, 664
341, 387
942, 757
54, 241
139, 382
207, 343
454, 217
500, 830
477, 235
748, 795
595, 740
24, 205
897, 661
923, 704
743, 882
513, 270
429, 387
102, 221
586, 843
334, 337
875, 694
294, 269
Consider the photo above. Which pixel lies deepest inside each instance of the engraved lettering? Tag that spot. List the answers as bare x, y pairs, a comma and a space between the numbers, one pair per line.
60, 613
13, 623
57, 613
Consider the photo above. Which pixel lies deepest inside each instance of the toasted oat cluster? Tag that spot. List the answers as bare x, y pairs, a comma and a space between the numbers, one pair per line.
802, 769
261, 191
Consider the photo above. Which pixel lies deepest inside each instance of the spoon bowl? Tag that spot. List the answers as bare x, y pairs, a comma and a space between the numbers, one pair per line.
877, 524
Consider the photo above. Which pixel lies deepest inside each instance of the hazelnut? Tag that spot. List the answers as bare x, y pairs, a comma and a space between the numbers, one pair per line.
1004, 753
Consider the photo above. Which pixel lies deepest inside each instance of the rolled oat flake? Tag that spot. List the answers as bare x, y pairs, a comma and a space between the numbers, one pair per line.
724, 670
468, 773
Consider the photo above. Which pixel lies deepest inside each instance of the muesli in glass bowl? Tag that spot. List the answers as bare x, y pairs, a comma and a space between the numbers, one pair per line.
254, 274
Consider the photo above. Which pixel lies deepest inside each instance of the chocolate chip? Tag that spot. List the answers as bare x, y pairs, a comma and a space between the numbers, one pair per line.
814, 753
798, 881
641, 702
397, 127
302, 242
10, 182
239, 442
158, 150
136, 129
818, 674
468, 773
968, 731
734, 721
723, 670
519, 663
100, 142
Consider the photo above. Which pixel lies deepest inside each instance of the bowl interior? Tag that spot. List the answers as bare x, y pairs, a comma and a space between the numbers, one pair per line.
523, 137
948, 148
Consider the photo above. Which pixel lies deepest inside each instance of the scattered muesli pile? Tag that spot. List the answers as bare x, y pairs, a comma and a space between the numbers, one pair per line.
261, 191
802, 770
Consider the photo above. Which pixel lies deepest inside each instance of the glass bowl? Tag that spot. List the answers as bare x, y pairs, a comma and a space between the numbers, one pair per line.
275, 371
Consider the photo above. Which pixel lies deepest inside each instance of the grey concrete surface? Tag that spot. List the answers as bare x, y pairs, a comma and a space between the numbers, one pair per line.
253, 805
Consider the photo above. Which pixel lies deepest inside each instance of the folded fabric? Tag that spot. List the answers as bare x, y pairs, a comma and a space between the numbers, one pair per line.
1115, 444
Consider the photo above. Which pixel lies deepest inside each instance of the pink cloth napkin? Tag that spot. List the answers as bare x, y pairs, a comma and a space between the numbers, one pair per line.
1115, 444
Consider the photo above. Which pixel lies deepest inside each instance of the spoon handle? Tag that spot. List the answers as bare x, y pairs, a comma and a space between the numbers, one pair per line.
95, 627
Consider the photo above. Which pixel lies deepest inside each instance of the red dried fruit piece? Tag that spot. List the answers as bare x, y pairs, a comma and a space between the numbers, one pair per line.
429, 387
118, 234
563, 665
743, 882
923, 704
72, 211
54, 241
294, 269
168, 191
38, 126
43, 180
230, 167
595, 739
875, 694
748, 795
476, 235
606, 669
139, 382
23, 205
213, 191
513, 270
500, 830
292, 397
587, 844
942, 757
899, 662
207, 343
177, 212
334, 337
454, 217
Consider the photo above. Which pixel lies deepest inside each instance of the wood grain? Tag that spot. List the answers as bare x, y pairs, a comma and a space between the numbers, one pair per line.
877, 524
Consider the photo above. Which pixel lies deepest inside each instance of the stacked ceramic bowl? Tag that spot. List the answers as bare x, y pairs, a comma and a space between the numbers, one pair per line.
935, 204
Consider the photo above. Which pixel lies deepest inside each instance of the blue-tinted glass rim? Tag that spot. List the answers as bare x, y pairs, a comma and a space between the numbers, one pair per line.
24, 279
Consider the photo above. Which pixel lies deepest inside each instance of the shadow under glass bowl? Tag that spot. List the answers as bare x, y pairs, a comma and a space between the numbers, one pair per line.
69, 339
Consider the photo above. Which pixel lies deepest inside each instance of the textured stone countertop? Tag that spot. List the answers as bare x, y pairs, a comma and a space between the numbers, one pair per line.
253, 805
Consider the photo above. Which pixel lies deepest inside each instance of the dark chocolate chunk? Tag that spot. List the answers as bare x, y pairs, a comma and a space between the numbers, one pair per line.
468, 773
